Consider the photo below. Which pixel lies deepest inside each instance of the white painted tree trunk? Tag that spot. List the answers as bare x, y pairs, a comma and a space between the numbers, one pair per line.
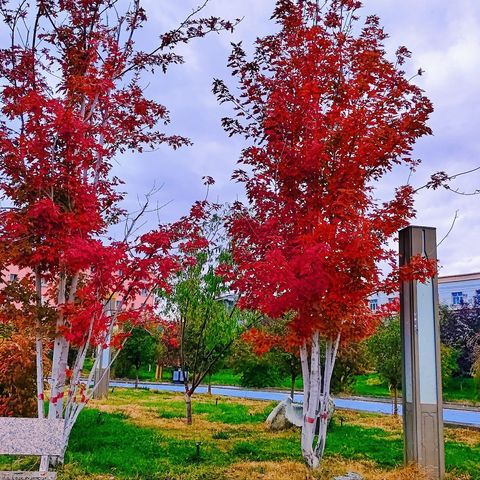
60, 356
39, 362
316, 396
79, 391
39, 350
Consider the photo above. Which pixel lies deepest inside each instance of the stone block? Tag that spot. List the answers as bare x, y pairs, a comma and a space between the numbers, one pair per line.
31, 436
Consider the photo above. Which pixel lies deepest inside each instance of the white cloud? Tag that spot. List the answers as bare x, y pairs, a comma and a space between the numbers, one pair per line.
445, 41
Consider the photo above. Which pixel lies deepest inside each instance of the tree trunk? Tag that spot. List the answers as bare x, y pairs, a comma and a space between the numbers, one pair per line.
159, 372
311, 400
60, 355
136, 377
39, 349
188, 408
209, 388
316, 397
59, 367
395, 401
292, 387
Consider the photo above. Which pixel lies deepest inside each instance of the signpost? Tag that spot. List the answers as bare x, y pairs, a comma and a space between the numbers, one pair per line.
422, 383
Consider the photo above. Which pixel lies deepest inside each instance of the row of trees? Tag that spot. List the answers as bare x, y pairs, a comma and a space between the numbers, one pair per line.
263, 356
325, 116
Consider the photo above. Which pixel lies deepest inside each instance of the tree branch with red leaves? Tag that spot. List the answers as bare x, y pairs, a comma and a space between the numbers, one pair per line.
71, 102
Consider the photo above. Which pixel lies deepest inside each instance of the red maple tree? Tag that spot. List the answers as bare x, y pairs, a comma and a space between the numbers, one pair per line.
329, 116
276, 335
71, 101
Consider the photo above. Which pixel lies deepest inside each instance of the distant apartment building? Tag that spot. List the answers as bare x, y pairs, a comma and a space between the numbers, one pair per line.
453, 290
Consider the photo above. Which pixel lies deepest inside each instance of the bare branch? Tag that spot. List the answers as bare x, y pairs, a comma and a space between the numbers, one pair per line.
450, 229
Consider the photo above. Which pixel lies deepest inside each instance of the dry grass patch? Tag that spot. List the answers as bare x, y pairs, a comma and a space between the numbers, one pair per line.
331, 467
148, 418
268, 471
143, 415
389, 423
72, 472
468, 436
334, 466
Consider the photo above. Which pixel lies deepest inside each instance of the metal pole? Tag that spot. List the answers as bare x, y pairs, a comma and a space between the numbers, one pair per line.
422, 381
102, 373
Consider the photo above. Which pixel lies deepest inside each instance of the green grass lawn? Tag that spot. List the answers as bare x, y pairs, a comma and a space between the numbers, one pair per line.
138, 434
222, 377
461, 390
229, 377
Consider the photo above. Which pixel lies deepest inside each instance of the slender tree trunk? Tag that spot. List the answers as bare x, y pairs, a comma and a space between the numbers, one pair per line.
209, 388
159, 372
395, 401
136, 377
292, 386
55, 382
44, 461
62, 377
188, 407
39, 359
39, 349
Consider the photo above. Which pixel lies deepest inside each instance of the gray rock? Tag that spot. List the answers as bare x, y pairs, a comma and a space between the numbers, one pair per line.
277, 420
28, 475
30, 436
288, 414
349, 476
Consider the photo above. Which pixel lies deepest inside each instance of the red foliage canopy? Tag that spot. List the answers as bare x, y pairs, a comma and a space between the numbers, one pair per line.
330, 115
71, 101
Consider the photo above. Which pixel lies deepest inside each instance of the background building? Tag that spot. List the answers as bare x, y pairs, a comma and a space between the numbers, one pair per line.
453, 290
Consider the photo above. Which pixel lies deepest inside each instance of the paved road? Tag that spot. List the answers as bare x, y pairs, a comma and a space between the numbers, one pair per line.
450, 415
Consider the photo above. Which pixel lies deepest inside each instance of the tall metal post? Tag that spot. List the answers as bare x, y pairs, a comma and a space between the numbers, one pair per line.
102, 373
422, 382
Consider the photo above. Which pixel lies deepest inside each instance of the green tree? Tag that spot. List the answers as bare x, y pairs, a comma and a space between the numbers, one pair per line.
139, 350
201, 307
256, 370
352, 359
450, 367
386, 351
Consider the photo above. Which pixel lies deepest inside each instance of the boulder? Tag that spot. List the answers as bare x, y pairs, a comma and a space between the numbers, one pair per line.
288, 414
279, 419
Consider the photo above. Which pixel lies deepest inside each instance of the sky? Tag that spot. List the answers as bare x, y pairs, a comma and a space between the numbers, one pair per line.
445, 42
